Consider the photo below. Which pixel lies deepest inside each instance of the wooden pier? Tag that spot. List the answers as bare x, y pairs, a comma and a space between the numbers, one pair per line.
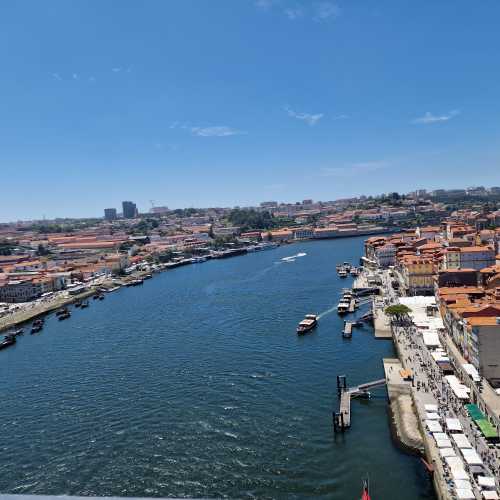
342, 418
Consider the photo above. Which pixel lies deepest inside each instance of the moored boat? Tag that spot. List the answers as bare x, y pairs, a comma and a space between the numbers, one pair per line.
307, 324
343, 307
8, 341
85, 304
342, 273
36, 328
64, 316
62, 311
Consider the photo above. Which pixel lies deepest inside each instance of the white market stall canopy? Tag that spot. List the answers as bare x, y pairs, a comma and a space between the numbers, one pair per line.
471, 456
486, 481
490, 495
472, 371
462, 484
434, 426
443, 443
431, 416
461, 441
453, 424
465, 494
447, 452
431, 338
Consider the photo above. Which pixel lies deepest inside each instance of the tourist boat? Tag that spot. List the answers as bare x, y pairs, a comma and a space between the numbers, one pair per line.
62, 311
307, 324
85, 304
365, 495
65, 315
342, 273
17, 332
8, 341
343, 307
198, 260
78, 303
36, 328
267, 246
354, 271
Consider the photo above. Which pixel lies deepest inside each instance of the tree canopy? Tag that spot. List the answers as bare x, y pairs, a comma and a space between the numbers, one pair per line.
397, 310
249, 219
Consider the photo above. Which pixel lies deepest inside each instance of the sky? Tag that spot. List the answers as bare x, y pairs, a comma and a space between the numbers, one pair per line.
196, 103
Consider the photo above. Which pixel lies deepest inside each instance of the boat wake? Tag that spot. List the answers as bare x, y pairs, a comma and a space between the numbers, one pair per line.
292, 258
328, 311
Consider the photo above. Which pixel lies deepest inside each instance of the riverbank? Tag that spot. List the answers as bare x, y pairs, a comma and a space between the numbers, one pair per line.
30, 311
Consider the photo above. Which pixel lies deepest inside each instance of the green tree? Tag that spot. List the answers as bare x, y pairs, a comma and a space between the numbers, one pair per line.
397, 311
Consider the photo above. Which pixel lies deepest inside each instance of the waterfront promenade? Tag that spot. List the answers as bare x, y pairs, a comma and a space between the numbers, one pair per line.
429, 389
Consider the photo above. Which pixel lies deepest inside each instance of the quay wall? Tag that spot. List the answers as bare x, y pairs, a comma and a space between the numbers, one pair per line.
431, 452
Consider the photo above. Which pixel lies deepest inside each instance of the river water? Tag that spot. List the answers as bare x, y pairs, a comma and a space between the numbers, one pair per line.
196, 385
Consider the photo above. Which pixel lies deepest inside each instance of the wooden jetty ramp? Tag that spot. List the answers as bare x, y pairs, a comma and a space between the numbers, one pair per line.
342, 418
352, 306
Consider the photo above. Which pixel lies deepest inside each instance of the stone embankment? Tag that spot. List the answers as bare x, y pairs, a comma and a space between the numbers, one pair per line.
402, 408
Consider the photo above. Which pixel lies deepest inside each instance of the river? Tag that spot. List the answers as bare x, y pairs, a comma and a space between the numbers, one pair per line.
195, 384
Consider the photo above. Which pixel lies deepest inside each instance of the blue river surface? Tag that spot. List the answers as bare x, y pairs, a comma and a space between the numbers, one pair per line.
196, 385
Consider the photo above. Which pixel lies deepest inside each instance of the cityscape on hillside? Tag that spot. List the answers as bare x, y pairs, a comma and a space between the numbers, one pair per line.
430, 272
250, 249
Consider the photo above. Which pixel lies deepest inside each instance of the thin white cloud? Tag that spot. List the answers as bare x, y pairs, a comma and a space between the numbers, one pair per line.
294, 13
116, 70
324, 11
430, 118
216, 131
354, 169
340, 117
92, 79
56, 76
264, 4
75, 76
310, 119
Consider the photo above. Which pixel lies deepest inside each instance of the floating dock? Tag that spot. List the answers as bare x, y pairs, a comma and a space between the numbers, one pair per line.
342, 418
347, 331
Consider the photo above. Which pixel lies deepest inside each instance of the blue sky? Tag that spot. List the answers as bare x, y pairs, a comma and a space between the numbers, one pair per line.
232, 102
